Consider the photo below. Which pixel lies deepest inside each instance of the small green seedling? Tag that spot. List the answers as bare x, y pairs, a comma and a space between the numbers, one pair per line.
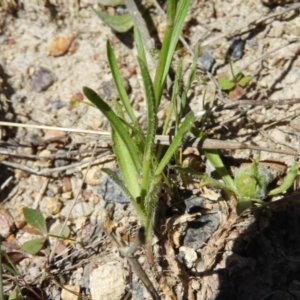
235, 86
251, 183
35, 219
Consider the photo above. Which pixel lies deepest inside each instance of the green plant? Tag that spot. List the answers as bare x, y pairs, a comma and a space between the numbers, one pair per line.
234, 86
250, 183
35, 219
142, 167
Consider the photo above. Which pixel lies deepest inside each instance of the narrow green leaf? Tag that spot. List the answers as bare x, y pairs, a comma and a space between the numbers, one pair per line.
183, 129
174, 26
152, 124
10, 268
33, 246
118, 108
119, 83
225, 84
215, 159
139, 44
117, 23
151, 206
35, 219
116, 124
288, 181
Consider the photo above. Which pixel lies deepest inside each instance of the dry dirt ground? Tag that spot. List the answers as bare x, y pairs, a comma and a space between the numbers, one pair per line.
211, 255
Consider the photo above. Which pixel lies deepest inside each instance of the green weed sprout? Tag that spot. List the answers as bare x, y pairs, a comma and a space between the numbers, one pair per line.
35, 219
250, 183
234, 86
140, 164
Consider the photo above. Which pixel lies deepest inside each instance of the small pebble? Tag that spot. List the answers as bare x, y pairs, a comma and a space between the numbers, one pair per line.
295, 123
112, 278
82, 209
200, 230
74, 46
111, 191
93, 175
69, 292
50, 206
63, 160
57, 104
236, 49
42, 79
194, 205
252, 42
277, 29
188, 255
109, 90
6, 222
60, 44
19, 216
207, 60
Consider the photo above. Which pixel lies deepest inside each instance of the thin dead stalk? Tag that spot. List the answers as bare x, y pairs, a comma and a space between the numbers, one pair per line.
203, 143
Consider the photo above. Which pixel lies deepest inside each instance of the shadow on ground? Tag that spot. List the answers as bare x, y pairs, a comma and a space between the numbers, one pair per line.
265, 263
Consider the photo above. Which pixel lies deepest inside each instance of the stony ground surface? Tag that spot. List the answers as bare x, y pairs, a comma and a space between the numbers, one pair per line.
48, 52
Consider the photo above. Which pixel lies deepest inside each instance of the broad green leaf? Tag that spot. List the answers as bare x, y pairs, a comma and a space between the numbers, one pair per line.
14, 295
251, 181
226, 84
243, 204
244, 80
120, 24
126, 164
288, 181
119, 83
183, 129
116, 125
57, 230
33, 246
35, 219
152, 124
